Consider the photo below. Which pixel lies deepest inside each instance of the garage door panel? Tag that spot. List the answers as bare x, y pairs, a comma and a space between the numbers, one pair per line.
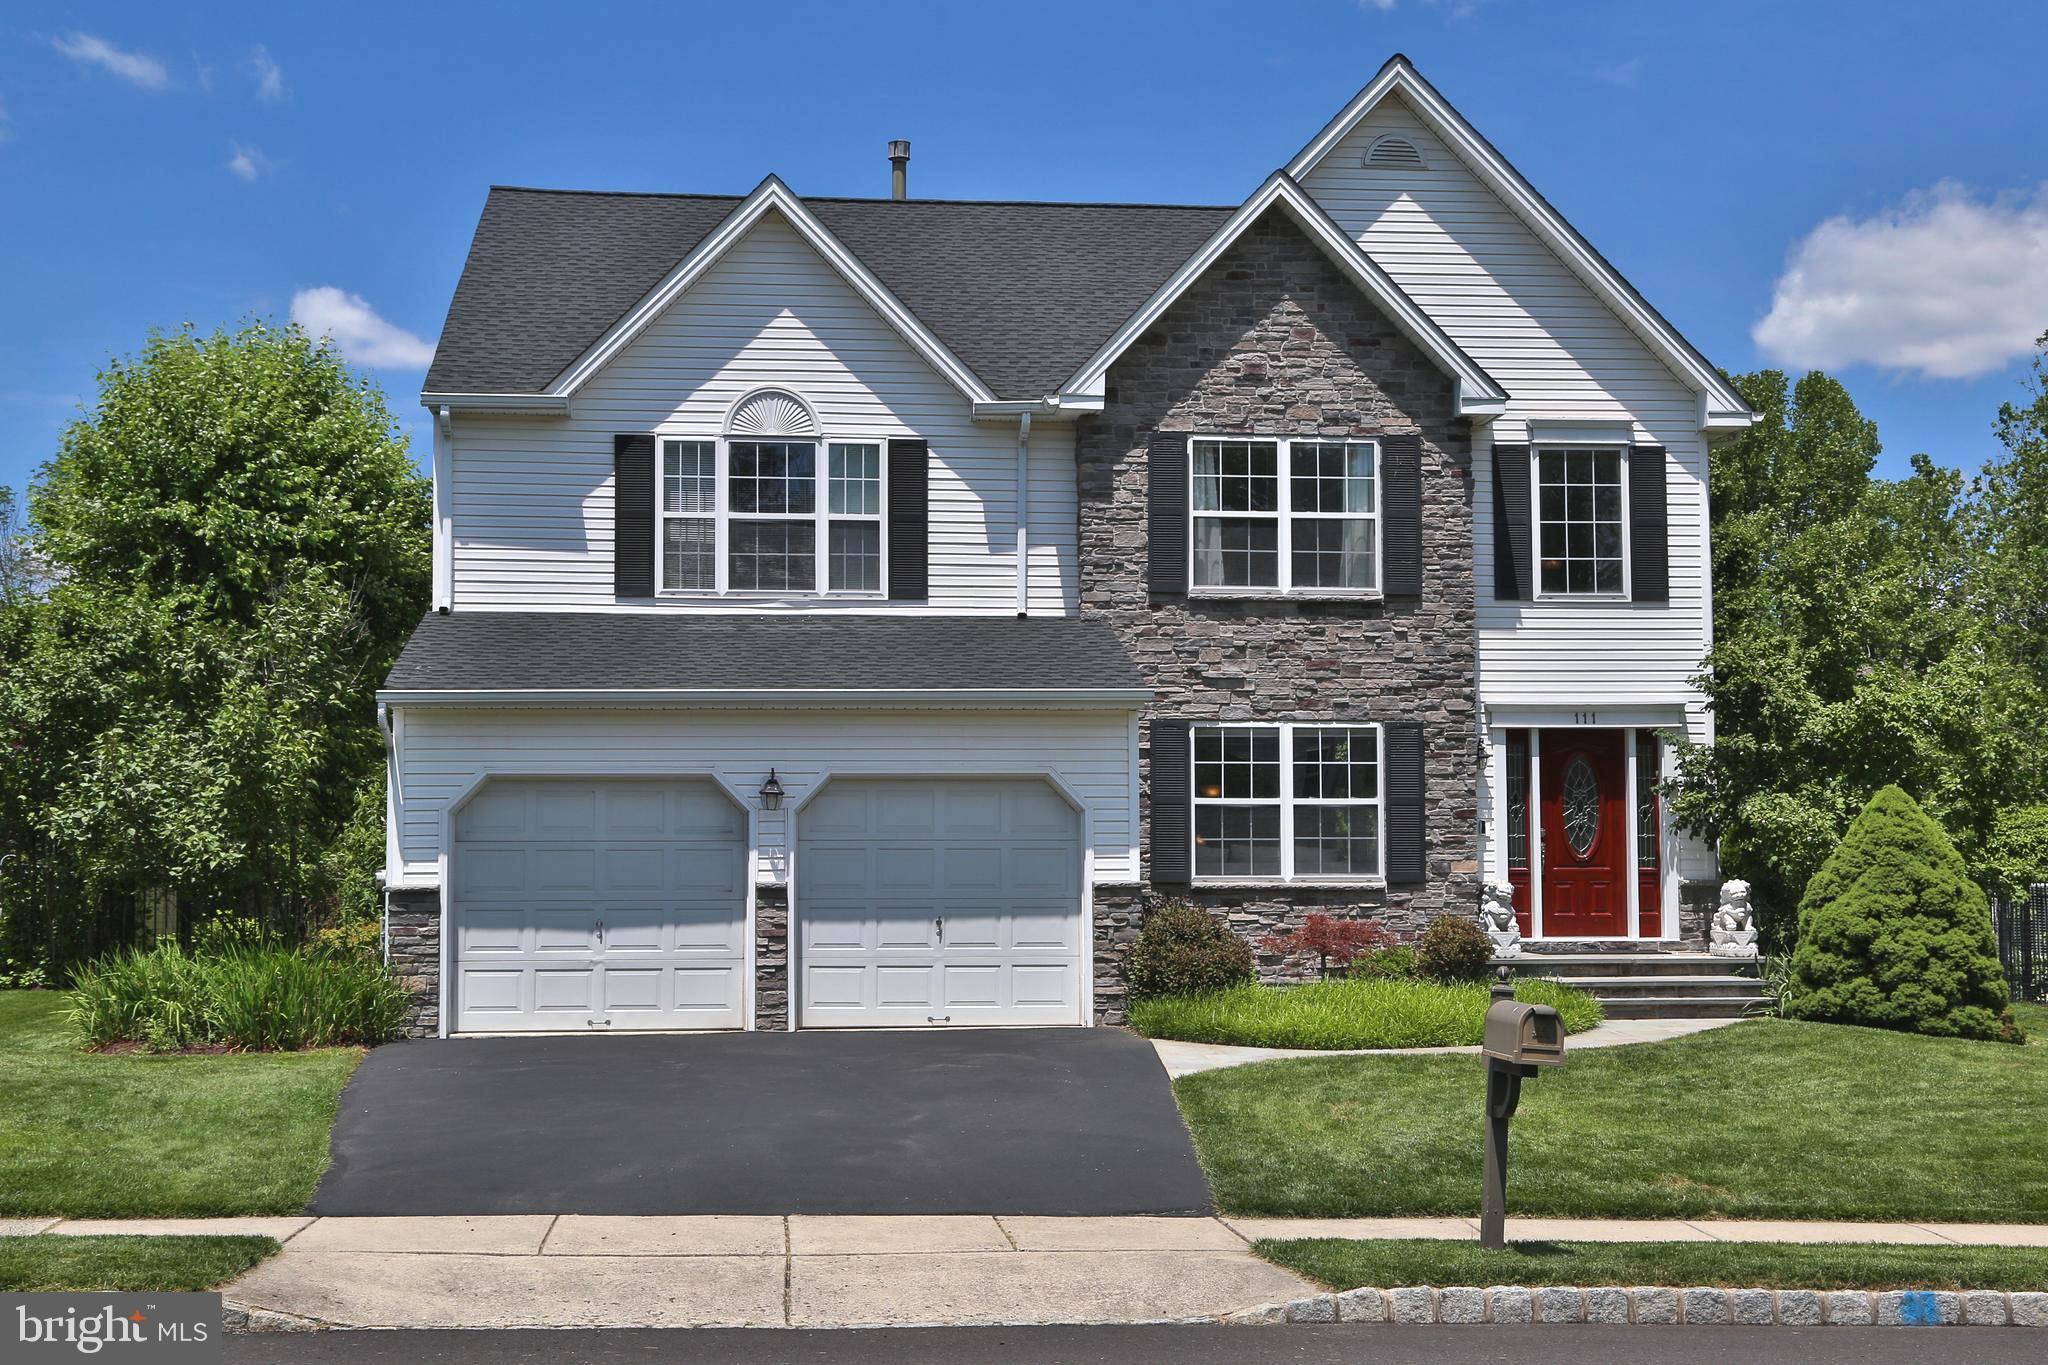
572, 990
881, 862
546, 861
484, 870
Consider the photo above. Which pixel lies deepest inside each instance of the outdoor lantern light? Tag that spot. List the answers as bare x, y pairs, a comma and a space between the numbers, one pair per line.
771, 793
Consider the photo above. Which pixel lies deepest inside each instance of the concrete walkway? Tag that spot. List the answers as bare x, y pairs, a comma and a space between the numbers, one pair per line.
575, 1271
1184, 1059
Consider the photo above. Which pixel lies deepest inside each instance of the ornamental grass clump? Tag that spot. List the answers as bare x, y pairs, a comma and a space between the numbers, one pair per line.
1894, 934
1362, 1013
237, 993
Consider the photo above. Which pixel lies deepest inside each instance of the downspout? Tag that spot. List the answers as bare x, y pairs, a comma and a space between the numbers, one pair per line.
1023, 513
444, 549
384, 728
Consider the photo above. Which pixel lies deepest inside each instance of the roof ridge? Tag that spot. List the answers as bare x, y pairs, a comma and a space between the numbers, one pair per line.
860, 199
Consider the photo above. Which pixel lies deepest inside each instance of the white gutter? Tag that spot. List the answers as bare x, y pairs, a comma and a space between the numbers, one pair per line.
844, 697
1024, 513
514, 404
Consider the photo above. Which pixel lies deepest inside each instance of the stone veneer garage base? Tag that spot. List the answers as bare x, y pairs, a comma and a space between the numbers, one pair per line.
1660, 1307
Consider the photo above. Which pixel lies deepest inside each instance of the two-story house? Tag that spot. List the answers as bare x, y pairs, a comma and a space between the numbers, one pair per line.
855, 612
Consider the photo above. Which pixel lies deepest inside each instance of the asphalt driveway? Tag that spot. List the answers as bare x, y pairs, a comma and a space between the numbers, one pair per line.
998, 1121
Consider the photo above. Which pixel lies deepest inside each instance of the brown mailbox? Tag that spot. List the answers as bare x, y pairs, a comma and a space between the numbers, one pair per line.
1529, 1035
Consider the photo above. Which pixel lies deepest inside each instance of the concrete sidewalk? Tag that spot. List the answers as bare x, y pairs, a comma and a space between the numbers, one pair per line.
574, 1271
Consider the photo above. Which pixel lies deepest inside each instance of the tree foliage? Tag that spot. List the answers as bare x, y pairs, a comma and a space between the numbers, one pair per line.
233, 546
1852, 647
1894, 934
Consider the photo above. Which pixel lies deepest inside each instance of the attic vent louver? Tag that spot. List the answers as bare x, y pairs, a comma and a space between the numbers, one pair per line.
1396, 153
771, 412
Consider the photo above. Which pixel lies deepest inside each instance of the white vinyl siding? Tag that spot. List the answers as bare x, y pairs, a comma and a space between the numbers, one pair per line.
1563, 356
531, 498
443, 751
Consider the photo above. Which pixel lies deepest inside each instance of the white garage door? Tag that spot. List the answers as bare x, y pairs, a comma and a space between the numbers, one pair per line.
952, 901
599, 905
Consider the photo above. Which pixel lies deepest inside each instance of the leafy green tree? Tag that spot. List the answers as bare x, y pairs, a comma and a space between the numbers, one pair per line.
237, 545
2008, 526
1847, 652
1894, 934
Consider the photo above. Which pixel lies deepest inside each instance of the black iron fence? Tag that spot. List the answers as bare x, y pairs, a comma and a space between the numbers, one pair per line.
2023, 942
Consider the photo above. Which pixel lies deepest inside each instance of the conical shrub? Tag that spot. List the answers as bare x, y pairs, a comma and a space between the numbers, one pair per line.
1894, 934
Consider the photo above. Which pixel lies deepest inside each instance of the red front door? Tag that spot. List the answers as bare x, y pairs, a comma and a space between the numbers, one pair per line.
1585, 843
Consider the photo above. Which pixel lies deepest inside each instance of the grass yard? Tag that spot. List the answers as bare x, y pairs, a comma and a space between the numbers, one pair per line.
142, 1264
2034, 1020
1348, 1014
1766, 1119
1733, 1265
92, 1136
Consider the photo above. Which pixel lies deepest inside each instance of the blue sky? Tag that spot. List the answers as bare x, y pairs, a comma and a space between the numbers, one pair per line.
1862, 181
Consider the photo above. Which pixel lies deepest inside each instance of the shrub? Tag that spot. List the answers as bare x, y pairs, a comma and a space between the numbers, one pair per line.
1332, 942
1453, 948
1348, 1014
1396, 963
1184, 950
1893, 934
256, 996
362, 939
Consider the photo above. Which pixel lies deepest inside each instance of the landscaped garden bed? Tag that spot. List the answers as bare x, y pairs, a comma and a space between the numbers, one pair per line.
87, 1135
1366, 1013
1751, 1265
140, 1264
1765, 1119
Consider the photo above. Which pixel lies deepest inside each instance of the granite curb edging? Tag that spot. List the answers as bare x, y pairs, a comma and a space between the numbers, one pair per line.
1461, 1305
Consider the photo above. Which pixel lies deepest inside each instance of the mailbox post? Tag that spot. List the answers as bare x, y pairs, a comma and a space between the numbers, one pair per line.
1519, 1038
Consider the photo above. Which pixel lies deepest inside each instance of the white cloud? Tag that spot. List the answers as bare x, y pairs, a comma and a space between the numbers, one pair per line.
138, 69
247, 162
364, 338
1944, 284
1383, 6
267, 74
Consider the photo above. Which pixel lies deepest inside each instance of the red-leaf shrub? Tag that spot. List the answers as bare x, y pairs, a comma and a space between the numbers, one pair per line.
1334, 942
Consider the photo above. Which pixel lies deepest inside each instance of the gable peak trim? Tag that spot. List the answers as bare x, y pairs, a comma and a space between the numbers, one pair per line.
771, 195
1478, 395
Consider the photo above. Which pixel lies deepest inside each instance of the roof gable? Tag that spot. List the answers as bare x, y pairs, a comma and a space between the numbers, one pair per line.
1720, 406
1478, 395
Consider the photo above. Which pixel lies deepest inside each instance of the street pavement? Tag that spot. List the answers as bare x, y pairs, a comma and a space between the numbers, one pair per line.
1379, 1345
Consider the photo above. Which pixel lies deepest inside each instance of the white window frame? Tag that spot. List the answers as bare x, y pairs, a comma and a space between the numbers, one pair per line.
1287, 801
1536, 452
1283, 518
723, 516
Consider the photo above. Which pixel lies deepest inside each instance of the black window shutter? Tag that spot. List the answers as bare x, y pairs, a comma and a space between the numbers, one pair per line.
1401, 514
1649, 526
1166, 532
1512, 581
909, 521
1172, 794
633, 515
1407, 849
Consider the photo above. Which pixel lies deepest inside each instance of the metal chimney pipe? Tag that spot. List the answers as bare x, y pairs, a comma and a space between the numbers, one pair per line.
899, 169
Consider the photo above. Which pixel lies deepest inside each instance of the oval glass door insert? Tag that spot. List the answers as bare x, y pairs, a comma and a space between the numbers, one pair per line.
1581, 805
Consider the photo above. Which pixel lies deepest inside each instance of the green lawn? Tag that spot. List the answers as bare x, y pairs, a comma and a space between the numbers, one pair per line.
93, 1136
1766, 1119
2033, 1019
1735, 1265
141, 1264
1348, 1014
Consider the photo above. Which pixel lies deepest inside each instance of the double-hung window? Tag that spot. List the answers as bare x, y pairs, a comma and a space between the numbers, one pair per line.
749, 517
1284, 515
1581, 522
1287, 802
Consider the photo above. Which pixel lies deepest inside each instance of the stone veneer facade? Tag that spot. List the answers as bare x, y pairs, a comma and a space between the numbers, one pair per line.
412, 938
1274, 341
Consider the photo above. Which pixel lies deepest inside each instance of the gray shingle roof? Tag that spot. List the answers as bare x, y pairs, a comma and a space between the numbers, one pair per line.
545, 651
1022, 293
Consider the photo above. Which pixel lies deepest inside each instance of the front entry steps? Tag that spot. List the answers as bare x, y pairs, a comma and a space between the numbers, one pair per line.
1654, 985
